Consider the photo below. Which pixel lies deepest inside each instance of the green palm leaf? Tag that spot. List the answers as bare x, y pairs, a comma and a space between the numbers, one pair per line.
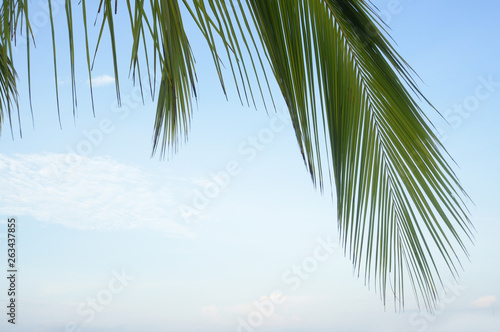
352, 101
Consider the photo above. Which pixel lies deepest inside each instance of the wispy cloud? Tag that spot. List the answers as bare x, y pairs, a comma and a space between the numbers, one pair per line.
100, 193
484, 301
102, 80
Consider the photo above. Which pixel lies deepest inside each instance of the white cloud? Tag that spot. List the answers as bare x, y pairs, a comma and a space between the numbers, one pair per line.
102, 80
96, 193
484, 302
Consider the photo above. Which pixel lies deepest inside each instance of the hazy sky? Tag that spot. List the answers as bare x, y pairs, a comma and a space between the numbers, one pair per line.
229, 234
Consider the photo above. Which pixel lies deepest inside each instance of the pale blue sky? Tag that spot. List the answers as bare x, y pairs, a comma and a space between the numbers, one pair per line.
110, 224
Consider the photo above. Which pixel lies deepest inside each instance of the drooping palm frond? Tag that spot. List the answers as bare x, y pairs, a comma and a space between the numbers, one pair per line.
177, 87
8, 89
352, 101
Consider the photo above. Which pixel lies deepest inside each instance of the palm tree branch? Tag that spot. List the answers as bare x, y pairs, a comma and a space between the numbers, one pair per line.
352, 101
396, 194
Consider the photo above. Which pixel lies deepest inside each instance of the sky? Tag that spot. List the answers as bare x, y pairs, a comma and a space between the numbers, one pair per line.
212, 239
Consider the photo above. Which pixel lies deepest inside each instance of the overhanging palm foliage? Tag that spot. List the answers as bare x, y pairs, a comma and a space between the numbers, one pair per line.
351, 99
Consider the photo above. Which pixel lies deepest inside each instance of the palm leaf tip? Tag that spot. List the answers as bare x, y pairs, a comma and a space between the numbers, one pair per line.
351, 100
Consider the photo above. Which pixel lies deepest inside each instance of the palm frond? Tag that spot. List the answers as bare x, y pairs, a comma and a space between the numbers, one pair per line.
178, 78
352, 101
10, 13
55, 60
